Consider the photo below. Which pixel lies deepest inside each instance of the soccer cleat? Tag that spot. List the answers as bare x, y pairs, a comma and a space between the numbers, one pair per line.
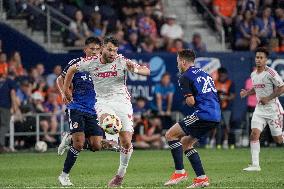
176, 178
116, 181
65, 180
199, 183
65, 143
110, 145
252, 168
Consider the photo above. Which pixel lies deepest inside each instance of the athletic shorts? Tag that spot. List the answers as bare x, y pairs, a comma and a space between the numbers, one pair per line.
192, 126
83, 122
275, 123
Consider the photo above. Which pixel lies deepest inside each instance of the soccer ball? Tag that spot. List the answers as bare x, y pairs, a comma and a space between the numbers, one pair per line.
111, 124
40, 146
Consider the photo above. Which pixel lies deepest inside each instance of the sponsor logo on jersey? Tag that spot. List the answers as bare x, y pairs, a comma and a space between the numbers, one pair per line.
106, 74
259, 86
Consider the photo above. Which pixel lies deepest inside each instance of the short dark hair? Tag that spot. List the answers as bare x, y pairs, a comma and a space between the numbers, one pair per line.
262, 50
111, 39
166, 74
95, 40
187, 54
222, 70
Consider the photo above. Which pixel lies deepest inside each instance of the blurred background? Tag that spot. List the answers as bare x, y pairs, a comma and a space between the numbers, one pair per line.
39, 37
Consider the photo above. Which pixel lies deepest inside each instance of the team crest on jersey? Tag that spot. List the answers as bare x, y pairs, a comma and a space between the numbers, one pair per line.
113, 67
75, 125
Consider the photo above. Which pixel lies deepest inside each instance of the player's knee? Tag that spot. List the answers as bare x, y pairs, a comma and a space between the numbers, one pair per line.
78, 145
278, 140
254, 136
96, 146
169, 136
126, 144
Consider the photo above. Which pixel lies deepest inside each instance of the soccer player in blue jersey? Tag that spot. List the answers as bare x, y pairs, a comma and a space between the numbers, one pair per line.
200, 93
81, 113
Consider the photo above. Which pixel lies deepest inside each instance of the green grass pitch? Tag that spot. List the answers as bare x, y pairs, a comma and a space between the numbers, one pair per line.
147, 169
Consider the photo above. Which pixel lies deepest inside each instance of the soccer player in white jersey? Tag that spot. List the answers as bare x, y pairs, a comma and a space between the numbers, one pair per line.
108, 72
268, 86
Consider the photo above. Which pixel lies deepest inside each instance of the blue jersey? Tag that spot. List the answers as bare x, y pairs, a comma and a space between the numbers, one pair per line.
84, 96
197, 83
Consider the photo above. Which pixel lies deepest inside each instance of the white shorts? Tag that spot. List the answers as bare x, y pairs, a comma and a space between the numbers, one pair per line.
275, 123
121, 108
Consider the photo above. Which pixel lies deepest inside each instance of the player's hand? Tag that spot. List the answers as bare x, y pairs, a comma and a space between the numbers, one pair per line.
264, 100
130, 66
64, 99
68, 97
243, 93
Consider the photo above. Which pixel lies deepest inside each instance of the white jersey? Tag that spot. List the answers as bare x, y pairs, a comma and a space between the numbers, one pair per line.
264, 84
109, 79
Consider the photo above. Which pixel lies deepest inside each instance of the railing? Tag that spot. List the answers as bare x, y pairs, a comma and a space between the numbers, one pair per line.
48, 13
1, 10
212, 18
37, 131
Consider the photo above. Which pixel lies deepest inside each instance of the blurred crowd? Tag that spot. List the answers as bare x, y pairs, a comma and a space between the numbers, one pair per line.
249, 23
140, 25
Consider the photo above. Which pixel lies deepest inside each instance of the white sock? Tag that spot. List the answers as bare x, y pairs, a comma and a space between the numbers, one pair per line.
202, 176
64, 174
255, 149
180, 171
125, 155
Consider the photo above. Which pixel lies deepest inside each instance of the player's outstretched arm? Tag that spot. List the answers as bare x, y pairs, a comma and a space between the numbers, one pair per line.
141, 70
67, 82
244, 93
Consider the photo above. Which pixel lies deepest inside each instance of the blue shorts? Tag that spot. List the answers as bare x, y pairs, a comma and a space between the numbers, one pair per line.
196, 128
83, 122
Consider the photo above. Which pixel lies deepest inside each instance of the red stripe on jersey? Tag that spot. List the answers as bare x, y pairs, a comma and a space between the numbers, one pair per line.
271, 72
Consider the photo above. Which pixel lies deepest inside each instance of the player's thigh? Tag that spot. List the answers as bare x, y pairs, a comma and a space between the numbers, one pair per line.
258, 122
78, 140
175, 132
125, 112
192, 126
103, 108
76, 121
92, 127
276, 125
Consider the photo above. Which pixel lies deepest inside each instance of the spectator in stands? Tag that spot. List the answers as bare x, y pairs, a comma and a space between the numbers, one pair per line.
129, 26
280, 28
79, 28
226, 92
119, 35
37, 107
24, 92
148, 45
266, 26
176, 46
3, 64
225, 12
1, 46
171, 30
148, 135
108, 10
40, 70
52, 77
247, 33
196, 44
98, 28
7, 102
147, 26
162, 104
132, 45
15, 64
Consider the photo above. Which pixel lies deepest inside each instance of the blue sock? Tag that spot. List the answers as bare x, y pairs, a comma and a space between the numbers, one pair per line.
195, 161
71, 157
176, 149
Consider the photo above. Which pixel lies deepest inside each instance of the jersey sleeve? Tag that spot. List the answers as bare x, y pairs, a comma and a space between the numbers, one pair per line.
123, 61
64, 72
275, 78
185, 86
84, 64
